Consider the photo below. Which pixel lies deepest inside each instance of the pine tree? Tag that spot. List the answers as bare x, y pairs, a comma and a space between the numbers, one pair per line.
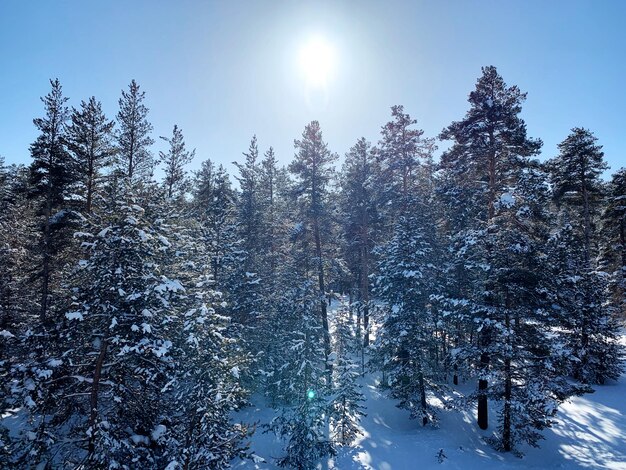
491, 144
404, 153
613, 239
303, 381
214, 205
90, 141
360, 222
174, 162
406, 346
312, 169
134, 159
577, 189
575, 175
246, 290
52, 175
347, 403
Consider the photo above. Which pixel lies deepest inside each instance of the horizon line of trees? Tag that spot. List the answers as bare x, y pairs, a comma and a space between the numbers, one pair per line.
136, 315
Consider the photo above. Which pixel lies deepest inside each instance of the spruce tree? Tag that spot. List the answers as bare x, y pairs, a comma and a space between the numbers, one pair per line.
613, 239
90, 141
312, 169
491, 143
360, 220
174, 162
134, 159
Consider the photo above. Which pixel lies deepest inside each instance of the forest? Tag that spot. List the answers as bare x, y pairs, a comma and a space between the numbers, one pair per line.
142, 305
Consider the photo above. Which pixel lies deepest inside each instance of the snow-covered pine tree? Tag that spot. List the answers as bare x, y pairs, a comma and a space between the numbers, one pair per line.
312, 169
489, 145
347, 398
214, 206
407, 345
245, 292
15, 298
277, 268
90, 140
119, 356
404, 158
527, 360
589, 319
304, 421
407, 348
586, 318
360, 224
52, 175
134, 159
174, 161
209, 362
613, 239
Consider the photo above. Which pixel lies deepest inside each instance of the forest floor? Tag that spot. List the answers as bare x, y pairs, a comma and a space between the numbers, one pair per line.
589, 432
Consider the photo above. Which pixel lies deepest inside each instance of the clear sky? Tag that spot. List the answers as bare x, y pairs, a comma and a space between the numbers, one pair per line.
226, 70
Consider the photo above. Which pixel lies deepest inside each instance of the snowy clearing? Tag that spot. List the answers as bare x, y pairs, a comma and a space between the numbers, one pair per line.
590, 433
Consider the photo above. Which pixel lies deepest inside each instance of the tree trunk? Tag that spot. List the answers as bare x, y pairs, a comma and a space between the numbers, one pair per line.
423, 398
506, 412
483, 411
322, 288
587, 222
93, 399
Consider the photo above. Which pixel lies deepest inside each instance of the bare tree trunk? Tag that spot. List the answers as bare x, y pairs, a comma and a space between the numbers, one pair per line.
506, 412
322, 287
93, 399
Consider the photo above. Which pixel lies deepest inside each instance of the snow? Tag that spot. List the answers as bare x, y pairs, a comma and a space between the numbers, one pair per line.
139, 439
171, 285
158, 432
507, 200
6, 334
74, 316
162, 350
589, 432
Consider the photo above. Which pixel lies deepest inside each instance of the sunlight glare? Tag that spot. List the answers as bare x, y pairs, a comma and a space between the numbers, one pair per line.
317, 59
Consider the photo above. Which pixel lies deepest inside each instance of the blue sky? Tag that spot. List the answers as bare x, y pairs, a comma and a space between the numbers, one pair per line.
226, 70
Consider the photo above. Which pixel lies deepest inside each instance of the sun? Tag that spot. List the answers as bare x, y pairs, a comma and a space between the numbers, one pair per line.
317, 60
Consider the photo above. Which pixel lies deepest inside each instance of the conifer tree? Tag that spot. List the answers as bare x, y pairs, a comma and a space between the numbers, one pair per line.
174, 162
52, 173
613, 239
134, 159
491, 143
589, 320
360, 222
347, 403
312, 169
90, 141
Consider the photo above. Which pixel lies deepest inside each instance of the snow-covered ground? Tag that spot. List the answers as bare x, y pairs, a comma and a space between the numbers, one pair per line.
590, 433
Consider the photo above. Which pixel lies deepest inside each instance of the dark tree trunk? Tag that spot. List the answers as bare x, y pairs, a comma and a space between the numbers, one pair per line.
93, 399
322, 288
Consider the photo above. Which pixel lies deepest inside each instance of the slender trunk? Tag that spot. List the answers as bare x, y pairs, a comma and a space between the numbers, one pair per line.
622, 284
483, 409
508, 387
423, 398
587, 222
492, 178
365, 290
322, 288
93, 400
189, 438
